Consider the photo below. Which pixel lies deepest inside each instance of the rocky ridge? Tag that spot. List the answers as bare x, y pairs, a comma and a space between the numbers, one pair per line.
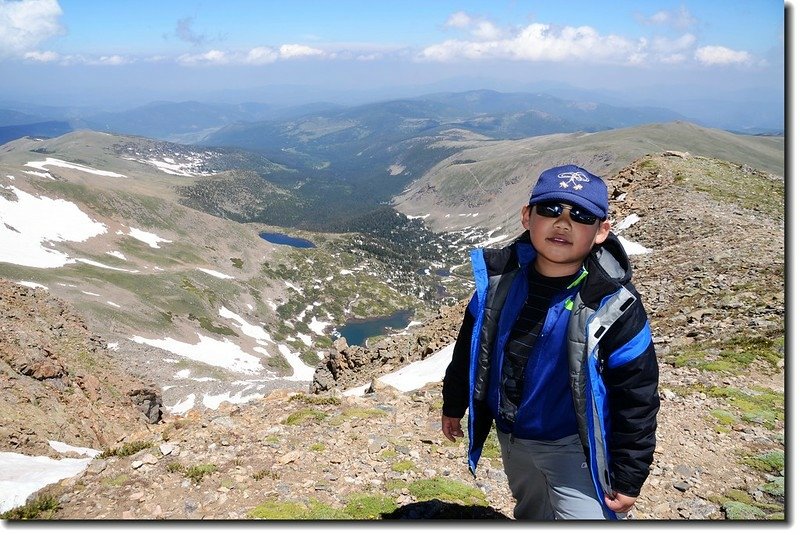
717, 312
58, 381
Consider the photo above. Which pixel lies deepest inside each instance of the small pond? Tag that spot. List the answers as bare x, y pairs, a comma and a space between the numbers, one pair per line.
285, 239
357, 331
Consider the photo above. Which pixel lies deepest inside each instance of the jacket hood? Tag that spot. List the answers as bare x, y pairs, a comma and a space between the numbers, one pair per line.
609, 268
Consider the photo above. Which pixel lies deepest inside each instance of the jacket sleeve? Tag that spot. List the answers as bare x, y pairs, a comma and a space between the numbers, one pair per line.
455, 387
631, 378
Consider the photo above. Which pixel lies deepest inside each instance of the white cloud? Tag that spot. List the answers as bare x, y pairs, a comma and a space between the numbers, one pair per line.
108, 60
720, 55
212, 57
44, 57
539, 42
26, 23
261, 56
662, 17
672, 51
479, 27
76, 59
487, 31
458, 20
682, 43
680, 19
549, 43
298, 51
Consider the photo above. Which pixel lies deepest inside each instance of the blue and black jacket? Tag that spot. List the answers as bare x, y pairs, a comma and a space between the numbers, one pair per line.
597, 327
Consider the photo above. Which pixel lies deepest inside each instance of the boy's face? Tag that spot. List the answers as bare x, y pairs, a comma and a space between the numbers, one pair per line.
561, 243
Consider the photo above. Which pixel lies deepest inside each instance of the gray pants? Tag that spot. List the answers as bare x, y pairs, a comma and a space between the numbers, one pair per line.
550, 480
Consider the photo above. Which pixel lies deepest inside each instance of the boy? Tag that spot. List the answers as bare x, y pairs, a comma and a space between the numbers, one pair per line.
556, 349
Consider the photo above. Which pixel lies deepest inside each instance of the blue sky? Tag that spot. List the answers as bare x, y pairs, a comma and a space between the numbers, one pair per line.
146, 49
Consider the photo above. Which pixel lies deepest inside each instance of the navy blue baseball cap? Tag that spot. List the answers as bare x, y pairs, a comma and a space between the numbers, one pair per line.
572, 185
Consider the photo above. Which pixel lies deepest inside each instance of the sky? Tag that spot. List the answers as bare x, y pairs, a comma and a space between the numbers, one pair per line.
80, 52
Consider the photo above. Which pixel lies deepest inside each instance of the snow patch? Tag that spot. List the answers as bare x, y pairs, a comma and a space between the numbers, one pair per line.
61, 447
223, 354
39, 173
30, 284
633, 248
23, 231
248, 329
318, 327
302, 371
216, 274
182, 407
98, 264
293, 287
61, 163
22, 475
213, 402
628, 222
415, 375
147, 237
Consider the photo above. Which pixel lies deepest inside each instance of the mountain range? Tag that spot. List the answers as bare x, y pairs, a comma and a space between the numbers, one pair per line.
497, 114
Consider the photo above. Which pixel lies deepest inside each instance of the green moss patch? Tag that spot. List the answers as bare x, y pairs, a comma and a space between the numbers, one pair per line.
757, 405
771, 462
404, 466
776, 487
742, 511
724, 420
303, 415
368, 506
284, 510
732, 356
43, 507
316, 400
195, 473
442, 489
117, 481
126, 450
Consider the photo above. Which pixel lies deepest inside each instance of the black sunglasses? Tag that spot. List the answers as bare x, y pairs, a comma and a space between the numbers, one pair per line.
577, 214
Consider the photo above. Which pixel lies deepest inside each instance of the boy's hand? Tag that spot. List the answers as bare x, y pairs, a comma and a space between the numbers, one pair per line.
620, 503
451, 427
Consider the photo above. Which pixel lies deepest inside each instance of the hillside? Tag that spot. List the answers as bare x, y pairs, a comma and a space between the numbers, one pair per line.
372, 151
717, 313
60, 381
483, 184
198, 302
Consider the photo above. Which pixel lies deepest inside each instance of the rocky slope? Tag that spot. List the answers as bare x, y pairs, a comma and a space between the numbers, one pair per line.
714, 285
59, 382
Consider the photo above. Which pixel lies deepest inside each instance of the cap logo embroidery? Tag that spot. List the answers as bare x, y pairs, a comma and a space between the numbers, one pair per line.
572, 179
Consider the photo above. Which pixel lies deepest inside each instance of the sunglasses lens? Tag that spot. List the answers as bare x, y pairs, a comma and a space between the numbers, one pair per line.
579, 215
549, 210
